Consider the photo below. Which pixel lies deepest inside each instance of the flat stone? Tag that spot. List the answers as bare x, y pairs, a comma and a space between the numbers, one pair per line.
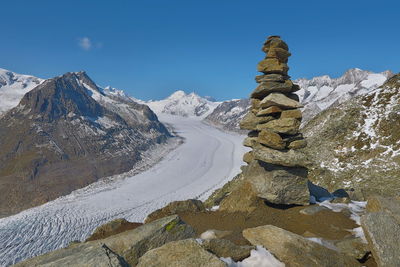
295, 250
353, 246
311, 210
271, 78
292, 113
190, 205
82, 255
272, 65
248, 141
278, 184
274, 42
265, 88
248, 157
284, 126
288, 158
279, 53
250, 121
226, 249
269, 110
280, 100
297, 144
383, 234
255, 103
271, 139
186, 253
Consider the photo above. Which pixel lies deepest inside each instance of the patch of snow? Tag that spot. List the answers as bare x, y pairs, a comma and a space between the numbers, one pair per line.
323, 242
259, 257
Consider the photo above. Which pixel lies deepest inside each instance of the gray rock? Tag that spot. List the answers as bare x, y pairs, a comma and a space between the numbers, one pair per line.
288, 158
312, 210
390, 205
225, 248
190, 205
279, 100
278, 184
250, 121
353, 246
295, 250
383, 234
87, 254
181, 253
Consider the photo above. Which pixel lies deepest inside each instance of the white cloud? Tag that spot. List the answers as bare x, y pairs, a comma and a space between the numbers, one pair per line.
85, 43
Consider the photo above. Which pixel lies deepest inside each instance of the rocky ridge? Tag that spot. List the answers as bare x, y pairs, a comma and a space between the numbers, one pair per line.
65, 134
276, 168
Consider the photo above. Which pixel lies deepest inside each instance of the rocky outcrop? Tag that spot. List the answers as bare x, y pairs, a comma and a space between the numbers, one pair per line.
175, 207
120, 249
276, 168
112, 228
187, 253
65, 134
382, 229
295, 250
356, 145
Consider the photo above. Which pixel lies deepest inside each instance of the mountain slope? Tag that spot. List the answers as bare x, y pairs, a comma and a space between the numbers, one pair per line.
357, 143
182, 104
228, 114
321, 92
65, 134
13, 87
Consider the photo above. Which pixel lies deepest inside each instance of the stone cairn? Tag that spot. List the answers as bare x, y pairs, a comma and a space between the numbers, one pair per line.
276, 168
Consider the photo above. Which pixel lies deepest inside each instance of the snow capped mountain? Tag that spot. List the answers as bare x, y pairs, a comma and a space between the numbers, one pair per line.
321, 92
13, 87
185, 105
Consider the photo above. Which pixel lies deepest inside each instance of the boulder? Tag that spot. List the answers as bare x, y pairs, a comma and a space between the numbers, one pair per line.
280, 100
270, 139
269, 110
383, 234
276, 184
112, 228
288, 158
226, 249
250, 121
255, 103
295, 250
284, 126
134, 243
279, 53
297, 144
274, 42
186, 253
243, 198
353, 246
390, 205
272, 65
265, 88
190, 205
292, 113
86, 254
271, 78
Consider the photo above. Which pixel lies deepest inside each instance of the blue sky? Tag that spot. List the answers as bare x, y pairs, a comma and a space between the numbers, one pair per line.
152, 48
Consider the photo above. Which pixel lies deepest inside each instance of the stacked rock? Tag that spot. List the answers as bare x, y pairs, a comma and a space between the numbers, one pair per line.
276, 168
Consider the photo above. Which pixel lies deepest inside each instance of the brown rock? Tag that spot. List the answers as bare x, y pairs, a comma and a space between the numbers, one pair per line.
279, 53
226, 249
248, 157
284, 126
190, 205
112, 228
271, 78
292, 113
265, 88
280, 100
272, 65
268, 111
248, 141
242, 199
295, 250
297, 144
271, 139
250, 121
255, 103
274, 42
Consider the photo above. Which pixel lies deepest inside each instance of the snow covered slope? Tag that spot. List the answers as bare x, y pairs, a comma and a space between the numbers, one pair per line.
206, 161
185, 105
321, 92
13, 87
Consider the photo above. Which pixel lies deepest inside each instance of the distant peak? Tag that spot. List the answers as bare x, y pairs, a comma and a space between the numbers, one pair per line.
177, 94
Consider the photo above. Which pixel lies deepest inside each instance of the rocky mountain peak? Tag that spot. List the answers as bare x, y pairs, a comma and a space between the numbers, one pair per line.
63, 96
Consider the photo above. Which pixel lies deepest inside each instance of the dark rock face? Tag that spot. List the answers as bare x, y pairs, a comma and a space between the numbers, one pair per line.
357, 144
63, 136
